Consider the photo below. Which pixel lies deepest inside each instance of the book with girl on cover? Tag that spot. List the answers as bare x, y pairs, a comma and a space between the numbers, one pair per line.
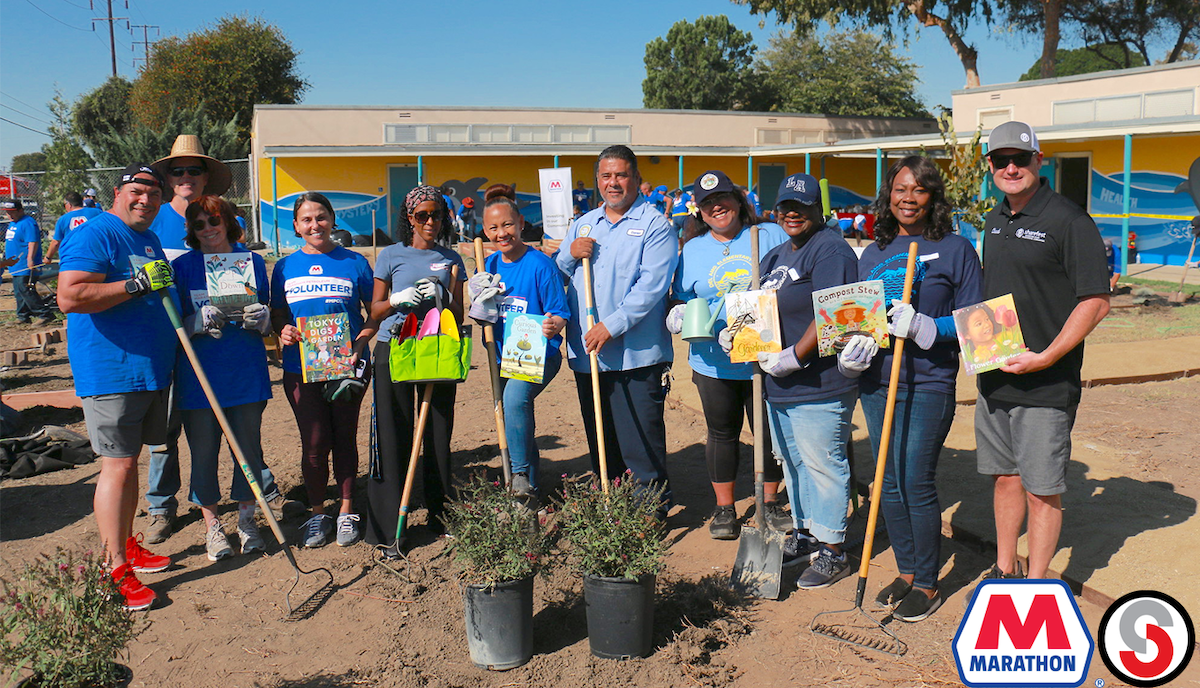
849, 310
989, 334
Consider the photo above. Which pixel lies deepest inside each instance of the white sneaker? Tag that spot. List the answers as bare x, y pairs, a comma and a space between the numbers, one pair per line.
251, 540
216, 544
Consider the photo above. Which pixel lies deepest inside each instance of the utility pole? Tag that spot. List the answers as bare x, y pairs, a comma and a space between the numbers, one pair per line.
145, 40
112, 39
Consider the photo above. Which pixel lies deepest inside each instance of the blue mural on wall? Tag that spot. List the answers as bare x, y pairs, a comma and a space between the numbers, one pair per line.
1151, 193
352, 210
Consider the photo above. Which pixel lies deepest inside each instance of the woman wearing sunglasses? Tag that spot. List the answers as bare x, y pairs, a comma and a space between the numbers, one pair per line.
323, 278
219, 336
412, 276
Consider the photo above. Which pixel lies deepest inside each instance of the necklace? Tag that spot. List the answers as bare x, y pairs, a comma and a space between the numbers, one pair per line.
724, 244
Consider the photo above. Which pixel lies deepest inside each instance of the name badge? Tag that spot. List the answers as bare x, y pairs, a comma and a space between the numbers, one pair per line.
793, 274
928, 257
636, 232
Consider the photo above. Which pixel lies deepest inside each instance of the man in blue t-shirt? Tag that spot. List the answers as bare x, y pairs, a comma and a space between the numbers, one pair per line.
89, 200
122, 353
23, 256
582, 198
74, 215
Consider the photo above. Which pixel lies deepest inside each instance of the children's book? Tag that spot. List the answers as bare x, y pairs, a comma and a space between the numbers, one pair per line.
753, 316
325, 348
231, 281
989, 334
523, 355
849, 310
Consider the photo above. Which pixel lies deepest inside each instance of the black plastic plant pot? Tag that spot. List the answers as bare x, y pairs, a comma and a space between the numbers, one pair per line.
122, 676
500, 624
620, 616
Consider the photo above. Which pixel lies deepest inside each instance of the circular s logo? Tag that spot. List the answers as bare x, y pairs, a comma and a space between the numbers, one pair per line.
1146, 638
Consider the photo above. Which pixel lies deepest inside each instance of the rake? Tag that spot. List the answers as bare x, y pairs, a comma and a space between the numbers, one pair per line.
860, 628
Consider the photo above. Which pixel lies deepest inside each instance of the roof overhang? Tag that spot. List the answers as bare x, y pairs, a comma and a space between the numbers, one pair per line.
467, 149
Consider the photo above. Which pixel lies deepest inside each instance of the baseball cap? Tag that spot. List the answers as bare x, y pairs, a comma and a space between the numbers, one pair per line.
799, 187
89, 192
14, 204
661, 188
1018, 135
129, 173
709, 183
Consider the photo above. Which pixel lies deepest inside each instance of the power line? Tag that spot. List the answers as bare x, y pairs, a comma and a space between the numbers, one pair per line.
9, 95
74, 5
53, 17
25, 114
17, 124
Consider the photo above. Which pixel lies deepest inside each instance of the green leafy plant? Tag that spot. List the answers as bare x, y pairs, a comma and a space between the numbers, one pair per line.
614, 534
62, 621
964, 179
496, 537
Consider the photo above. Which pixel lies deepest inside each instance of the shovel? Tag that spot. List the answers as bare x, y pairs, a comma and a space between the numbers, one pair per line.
594, 358
394, 551
854, 626
309, 605
489, 340
758, 569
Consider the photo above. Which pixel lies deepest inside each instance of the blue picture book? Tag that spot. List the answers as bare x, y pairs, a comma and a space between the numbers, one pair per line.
523, 354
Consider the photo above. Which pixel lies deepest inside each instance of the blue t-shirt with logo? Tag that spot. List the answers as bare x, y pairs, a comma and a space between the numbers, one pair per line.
401, 266
236, 364
72, 220
171, 229
532, 285
582, 199
129, 347
710, 269
321, 284
17, 239
753, 198
947, 276
679, 207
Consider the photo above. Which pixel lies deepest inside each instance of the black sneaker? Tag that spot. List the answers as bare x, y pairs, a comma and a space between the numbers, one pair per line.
724, 524
916, 606
799, 548
891, 596
778, 519
995, 572
827, 569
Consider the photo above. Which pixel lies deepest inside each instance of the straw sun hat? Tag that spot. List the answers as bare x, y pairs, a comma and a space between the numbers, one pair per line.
188, 146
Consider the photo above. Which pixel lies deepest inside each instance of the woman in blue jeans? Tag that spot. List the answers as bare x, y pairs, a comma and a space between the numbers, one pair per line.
912, 206
517, 280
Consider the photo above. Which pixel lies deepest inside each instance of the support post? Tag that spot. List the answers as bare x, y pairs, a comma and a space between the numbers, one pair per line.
1126, 205
275, 201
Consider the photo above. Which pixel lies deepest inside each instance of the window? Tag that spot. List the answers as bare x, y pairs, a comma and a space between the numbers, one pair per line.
1170, 103
990, 119
772, 136
572, 134
1119, 108
449, 133
1075, 112
531, 133
405, 133
611, 134
490, 133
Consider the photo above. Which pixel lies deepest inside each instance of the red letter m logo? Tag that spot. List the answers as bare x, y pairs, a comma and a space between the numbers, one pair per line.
1043, 612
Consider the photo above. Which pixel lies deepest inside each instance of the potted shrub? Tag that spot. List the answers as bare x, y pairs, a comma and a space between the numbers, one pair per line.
62, 623
616, 542
500, 545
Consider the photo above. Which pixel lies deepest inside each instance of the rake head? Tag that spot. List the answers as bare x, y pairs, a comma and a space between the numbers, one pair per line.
309, 605
856, 627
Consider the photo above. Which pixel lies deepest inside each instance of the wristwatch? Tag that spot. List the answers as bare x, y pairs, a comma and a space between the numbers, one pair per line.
133, 287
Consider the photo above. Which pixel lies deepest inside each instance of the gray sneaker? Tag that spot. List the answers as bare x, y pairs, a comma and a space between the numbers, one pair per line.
520, 485
799, 548
317, 530
249, 536
348, 530
778, 519
994, 572
216, 544
827, 569
160, 528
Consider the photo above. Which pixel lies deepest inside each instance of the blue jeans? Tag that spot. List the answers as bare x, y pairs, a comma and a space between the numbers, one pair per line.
204, 439
811, 439
29, 304
910, 501
519, 423
162, 479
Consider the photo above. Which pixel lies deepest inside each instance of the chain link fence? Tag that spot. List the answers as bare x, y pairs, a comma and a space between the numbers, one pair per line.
46, 210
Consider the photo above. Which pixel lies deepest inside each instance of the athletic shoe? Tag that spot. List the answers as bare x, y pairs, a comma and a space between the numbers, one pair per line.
48, 320
137, 596
216, 544
799, 548
827, 569
916, 606
724, 524
143, 560
161, 527
890, 596
348, 530
317, 530
778, 518
994, 572
249, 537
282, 507
520, 485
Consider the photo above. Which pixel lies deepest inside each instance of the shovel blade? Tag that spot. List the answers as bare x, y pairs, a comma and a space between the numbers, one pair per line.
758, 570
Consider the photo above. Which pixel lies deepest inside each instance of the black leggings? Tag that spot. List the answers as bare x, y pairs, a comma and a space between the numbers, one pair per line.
324, 428
724, 403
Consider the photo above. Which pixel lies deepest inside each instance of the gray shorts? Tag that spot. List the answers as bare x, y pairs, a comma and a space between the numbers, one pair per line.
1031, 441
119, 424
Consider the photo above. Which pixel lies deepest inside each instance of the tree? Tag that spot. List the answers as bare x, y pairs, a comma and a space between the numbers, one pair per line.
67, 162
1092, 58
229, 68
965, 177
220, 138
890, 17
101, 112
848, 73
700, 66
29, 162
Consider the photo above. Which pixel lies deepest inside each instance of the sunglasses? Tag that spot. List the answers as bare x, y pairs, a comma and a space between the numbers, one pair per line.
422, 216
212, 221
1022, 159
193, 170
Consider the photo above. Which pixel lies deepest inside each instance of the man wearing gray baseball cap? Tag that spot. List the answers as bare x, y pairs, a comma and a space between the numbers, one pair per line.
1045, 251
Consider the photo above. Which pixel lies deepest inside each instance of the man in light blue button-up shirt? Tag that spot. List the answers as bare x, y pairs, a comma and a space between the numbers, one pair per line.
634, 252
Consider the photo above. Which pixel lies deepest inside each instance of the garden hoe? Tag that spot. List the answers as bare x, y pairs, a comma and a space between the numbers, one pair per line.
848, 625
313, 602
489, 340
758, 569
594, 358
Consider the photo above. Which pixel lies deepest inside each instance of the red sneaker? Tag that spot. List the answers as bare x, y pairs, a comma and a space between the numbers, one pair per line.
143, 560
137, 596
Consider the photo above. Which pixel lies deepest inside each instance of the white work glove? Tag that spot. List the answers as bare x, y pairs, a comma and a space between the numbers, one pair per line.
857, 355
780, 364
405, 299
208, 320
907, 323
675, 319
431, 289
257, 318
725, 339
483, 288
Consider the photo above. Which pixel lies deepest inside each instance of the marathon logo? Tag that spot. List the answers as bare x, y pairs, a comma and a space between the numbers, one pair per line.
1031, 235
1023, 633
303, 288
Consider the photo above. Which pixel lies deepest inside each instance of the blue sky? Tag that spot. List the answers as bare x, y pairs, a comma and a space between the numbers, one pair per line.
407, 53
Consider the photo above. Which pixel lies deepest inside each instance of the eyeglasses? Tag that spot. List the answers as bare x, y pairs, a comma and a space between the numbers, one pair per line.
193, 170
1022, 159
422, 216
198, 225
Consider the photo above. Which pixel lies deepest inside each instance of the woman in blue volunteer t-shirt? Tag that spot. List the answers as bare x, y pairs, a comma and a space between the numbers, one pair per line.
716, 261
912, 206
323, 278
517, 280
221, 335
412, 276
